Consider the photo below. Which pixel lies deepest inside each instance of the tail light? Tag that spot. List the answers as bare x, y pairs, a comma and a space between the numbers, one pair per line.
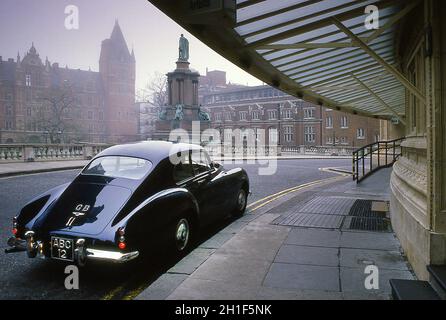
14, 226
121, 238
121, 245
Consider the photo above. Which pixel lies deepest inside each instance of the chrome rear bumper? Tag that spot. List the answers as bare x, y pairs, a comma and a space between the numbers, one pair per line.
81, 252
113, 256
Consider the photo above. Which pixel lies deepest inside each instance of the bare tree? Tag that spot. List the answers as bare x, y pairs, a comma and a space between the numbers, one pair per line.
155, 91
54, 115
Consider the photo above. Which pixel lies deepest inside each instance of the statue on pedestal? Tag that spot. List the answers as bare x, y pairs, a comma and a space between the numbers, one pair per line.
183, 50
162, 114
202, 115
179, 112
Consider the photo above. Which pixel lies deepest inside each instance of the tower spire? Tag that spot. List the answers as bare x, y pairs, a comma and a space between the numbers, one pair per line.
32, 50
47, 64
118, 42
133, 54
116, 33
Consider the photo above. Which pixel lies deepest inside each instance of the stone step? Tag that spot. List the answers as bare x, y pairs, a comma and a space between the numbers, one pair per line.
412, 290
438, 279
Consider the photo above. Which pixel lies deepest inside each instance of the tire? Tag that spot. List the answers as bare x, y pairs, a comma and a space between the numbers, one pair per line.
182, 234
241, 202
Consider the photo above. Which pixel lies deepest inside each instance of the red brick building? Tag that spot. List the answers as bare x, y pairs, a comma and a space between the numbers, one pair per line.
102, 104
345, 129
286, 120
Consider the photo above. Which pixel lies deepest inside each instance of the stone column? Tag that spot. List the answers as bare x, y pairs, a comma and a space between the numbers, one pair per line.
418, 195
28, 153
436, 124
88, 152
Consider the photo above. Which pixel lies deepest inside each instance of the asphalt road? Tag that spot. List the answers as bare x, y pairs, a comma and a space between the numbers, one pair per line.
24, 278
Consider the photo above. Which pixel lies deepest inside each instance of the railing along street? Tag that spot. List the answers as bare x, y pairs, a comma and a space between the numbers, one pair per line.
48, 152
372, 157
229, 151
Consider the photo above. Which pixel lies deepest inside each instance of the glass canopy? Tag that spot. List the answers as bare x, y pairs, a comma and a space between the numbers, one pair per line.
319, 50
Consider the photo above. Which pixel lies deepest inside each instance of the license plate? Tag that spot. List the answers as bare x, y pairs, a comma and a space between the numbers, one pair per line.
62, 248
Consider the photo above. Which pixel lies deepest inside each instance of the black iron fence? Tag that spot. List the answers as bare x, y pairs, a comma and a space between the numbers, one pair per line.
372, 157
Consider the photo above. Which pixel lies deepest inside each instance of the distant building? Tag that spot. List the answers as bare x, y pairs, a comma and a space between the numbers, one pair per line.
103, 103
286, 120
214, 81
148, 115
345, 129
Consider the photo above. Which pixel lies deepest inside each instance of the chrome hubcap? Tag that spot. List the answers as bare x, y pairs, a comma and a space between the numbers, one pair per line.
241, 199
182, 234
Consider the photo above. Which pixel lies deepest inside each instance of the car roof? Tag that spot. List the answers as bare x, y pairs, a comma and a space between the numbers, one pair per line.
154, 151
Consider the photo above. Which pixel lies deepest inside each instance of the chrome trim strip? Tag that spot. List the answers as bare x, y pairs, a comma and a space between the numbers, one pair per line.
113, 256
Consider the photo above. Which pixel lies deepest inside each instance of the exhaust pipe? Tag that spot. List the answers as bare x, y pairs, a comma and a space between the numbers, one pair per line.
17, 245
80, 252
31, 245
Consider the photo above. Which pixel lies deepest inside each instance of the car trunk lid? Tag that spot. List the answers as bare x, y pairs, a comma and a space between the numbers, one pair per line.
84, 208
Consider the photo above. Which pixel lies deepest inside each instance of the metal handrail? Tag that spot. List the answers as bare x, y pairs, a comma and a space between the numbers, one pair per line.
378, 151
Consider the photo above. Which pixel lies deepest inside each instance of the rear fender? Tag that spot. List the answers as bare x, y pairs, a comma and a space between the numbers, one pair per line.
153, 216
239, 178
36, 207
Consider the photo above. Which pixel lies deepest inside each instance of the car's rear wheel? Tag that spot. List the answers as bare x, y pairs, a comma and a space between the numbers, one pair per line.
182, 234
242, 200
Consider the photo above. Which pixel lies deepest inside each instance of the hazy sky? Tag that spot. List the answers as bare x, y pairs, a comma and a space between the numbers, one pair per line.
153, 35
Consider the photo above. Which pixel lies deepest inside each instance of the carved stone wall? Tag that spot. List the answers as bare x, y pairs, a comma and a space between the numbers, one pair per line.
417, 192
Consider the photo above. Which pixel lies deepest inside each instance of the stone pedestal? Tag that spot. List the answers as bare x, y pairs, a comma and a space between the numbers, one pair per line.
182, 110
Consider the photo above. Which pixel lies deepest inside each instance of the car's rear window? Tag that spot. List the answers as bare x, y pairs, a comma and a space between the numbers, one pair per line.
119, 167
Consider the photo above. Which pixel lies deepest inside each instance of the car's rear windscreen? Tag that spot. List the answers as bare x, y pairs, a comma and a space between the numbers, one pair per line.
119, 167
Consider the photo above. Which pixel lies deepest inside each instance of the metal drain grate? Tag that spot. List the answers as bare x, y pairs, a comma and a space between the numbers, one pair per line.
370, 224
362, 217
328, 205
327, 221
319, 212
363, 208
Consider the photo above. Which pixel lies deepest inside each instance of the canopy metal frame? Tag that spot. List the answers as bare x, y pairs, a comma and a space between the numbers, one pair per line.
316, 50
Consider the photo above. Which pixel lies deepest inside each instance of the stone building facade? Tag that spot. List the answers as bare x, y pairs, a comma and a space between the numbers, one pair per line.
214, 81
148, 116
346, 129
101, 104
286, 120
418, 192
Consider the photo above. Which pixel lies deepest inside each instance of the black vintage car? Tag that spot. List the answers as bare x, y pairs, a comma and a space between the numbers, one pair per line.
128, 199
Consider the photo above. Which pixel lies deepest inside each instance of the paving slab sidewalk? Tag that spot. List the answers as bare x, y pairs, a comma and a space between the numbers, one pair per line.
264, 259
